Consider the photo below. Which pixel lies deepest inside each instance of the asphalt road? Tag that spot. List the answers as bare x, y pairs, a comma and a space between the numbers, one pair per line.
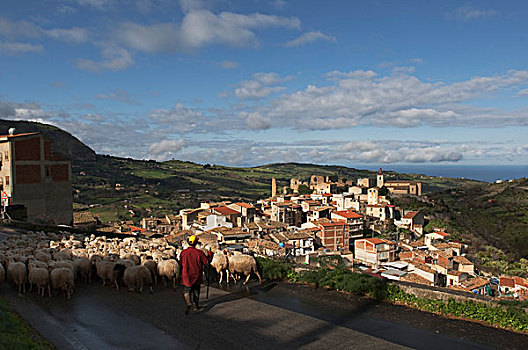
260, 317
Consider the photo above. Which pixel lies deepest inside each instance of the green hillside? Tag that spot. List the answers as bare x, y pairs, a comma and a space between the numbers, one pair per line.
155, 188
63, 142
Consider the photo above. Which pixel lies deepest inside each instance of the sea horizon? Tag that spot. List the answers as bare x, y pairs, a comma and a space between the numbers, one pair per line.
486, 173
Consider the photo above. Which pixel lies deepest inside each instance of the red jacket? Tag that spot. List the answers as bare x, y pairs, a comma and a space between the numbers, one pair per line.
192, 262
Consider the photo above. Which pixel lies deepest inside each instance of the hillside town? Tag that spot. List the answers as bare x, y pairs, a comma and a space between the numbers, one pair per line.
322, 215
328, 215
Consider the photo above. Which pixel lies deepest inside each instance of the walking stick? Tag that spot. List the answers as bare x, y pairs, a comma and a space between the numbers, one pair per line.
208, 280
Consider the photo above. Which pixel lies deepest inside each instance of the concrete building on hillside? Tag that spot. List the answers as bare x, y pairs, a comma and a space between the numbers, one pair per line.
35, 178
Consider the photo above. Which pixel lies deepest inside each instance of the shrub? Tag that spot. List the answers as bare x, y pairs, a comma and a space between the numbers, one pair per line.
273, 269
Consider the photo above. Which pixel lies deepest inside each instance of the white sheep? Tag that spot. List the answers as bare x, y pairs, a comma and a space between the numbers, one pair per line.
83, 269
136, 277
169, 269
244, 264
62, 278
40, 277
105, 271
17, 273
153, 268
220, 263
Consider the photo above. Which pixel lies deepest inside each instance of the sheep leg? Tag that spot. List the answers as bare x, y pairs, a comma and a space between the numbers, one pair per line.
221, 273
174, 282
104, 281
49, 290
30, 287
227, 273
151, 290
117, 285
247, 279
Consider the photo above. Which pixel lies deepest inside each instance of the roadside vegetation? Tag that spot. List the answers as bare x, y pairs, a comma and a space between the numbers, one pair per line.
15, 333
334, 275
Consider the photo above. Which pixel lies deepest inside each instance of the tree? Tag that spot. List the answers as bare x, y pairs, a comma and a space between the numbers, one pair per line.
303, 189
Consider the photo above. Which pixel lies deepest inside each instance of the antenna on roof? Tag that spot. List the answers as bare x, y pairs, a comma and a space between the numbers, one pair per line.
11, 131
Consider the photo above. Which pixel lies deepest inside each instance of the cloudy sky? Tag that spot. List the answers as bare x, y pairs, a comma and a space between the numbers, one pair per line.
250, 82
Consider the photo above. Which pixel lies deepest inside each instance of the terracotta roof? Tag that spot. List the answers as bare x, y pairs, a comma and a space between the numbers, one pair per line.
475, 283
441, 233
507, 282
462, 260
414, 278
523, 282
455, 273
378, 241
411, 214
348, 214
225, 211
245, 205
423, 267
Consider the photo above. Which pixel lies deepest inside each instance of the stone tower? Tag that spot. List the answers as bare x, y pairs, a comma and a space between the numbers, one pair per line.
380, 179
273, 187
372, 196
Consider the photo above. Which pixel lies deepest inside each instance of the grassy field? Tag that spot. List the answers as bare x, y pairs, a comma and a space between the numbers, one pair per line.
15, 333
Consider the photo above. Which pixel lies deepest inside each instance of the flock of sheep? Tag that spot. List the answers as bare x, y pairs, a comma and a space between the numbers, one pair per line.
55, 261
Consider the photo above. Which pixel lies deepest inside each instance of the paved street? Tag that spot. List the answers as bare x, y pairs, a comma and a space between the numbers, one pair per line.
263, 317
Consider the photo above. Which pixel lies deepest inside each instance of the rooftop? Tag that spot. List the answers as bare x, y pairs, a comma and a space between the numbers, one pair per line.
348, 214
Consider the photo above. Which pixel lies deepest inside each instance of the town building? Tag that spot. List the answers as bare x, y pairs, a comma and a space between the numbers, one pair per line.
400, 187
35, 178
374, 251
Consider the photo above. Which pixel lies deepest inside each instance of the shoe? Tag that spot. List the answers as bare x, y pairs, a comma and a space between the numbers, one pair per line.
197, 308
187, 309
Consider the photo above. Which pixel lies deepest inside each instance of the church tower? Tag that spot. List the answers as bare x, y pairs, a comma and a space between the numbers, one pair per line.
380, 179
273, 187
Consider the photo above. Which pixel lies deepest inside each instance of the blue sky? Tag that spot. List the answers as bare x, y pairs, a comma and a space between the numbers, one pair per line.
253, 82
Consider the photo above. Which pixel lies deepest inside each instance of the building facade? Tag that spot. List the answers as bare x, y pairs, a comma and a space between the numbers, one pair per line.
31, 175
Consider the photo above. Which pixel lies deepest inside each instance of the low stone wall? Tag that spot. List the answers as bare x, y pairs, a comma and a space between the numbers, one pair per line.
427, 292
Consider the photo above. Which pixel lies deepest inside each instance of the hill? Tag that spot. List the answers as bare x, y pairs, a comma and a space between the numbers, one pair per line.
63, 142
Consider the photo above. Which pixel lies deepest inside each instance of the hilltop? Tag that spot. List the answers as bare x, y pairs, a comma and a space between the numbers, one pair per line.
63, 142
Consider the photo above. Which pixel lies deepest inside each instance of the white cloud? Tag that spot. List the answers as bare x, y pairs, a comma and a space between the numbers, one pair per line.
468, 13
19, 48
179, 119
197, 29
114, 59
71, 35
24, 29
118, 95
308, 38
260, 86
166, 148
254, 121
228, 64
522, 93
402, 100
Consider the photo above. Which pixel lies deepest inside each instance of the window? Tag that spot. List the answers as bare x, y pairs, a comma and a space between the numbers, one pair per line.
7, 156
7, 180
48, 171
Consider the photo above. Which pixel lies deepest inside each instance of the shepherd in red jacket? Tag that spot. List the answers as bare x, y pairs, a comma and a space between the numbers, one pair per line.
192, 262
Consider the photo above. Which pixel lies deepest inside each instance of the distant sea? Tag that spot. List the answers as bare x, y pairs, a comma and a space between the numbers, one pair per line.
487, 173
